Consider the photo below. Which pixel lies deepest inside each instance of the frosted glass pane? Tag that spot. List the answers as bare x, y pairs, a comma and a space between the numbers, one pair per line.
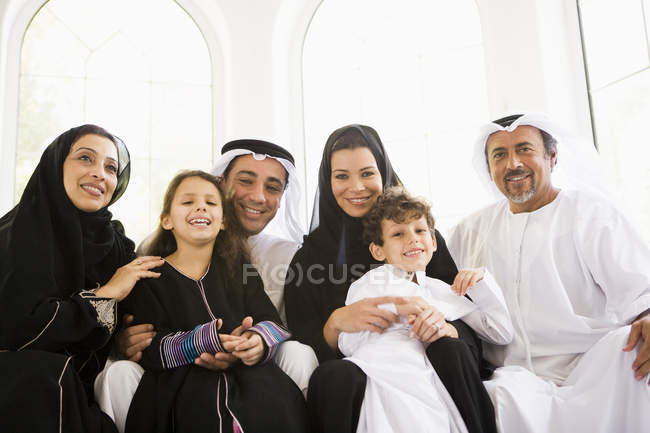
119, 59
132, 208
409, 159
112, 47
456, 190
457, 93
621, 114
124, 108
25, 164
48, 107
181, 57
413, 72
614, 39
92, 21
50, 48
392, 97
160, 16
181, 119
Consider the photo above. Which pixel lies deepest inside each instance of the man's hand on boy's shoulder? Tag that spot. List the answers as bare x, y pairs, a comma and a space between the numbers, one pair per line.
466, 280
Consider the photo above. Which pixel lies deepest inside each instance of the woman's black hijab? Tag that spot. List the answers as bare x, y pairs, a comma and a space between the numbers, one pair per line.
334, 254
51, 249
336, 236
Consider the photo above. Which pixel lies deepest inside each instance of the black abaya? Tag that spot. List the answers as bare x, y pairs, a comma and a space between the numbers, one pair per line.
53, 329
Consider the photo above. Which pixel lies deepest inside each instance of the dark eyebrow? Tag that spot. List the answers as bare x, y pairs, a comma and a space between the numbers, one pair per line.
370, 167
274, 180
253, 174
94, 152
248, 172
497, 149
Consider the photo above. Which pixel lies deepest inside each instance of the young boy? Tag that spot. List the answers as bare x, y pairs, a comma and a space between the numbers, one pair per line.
403, 392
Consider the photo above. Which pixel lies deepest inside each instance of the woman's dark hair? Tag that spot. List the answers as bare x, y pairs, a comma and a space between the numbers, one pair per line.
231, 245
350, 139
92, 129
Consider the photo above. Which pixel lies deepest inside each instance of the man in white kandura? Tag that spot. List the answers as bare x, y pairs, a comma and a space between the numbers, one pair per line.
576, 279
261, 181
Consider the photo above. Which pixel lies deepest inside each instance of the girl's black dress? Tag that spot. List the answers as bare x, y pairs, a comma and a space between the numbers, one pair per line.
176, 395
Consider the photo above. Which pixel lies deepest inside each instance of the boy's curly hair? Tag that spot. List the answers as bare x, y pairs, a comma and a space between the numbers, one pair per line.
397, 205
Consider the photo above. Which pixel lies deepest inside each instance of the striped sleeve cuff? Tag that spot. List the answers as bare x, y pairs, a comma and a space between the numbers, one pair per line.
182, 348
272, 334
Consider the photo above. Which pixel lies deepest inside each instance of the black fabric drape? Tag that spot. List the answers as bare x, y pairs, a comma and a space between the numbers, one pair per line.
332, 257
49, 251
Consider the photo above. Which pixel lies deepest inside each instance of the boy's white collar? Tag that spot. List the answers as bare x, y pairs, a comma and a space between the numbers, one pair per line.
405, 275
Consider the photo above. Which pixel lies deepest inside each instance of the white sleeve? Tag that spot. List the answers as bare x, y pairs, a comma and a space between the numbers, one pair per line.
349, 342
491, 320
618, 259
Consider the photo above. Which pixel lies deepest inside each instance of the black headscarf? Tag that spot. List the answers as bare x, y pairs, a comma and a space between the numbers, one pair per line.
334, 234
50, 250
334, 252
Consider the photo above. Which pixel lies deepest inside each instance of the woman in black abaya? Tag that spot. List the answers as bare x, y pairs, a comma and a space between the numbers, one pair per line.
63, 266
332, 257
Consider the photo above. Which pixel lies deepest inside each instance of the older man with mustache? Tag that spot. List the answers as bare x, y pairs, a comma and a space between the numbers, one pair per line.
576, 279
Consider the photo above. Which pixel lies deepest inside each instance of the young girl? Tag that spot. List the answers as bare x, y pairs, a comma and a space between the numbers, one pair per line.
206, 367
403, 391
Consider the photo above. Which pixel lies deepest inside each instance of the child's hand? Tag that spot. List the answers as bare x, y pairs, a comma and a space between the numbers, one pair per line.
250, 351
466, 279
427, 325
216, 362
221, 360
414, 305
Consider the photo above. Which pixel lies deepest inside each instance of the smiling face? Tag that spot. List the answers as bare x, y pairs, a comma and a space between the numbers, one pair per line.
408, 245
90, 172
196, 214
520, 168
255, 188
356, 181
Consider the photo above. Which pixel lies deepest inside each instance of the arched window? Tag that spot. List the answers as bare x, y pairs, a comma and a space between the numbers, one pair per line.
416, 73
141, 69
617, 60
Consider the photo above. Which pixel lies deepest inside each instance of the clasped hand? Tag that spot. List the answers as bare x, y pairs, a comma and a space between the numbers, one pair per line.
240, 344
427, 323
